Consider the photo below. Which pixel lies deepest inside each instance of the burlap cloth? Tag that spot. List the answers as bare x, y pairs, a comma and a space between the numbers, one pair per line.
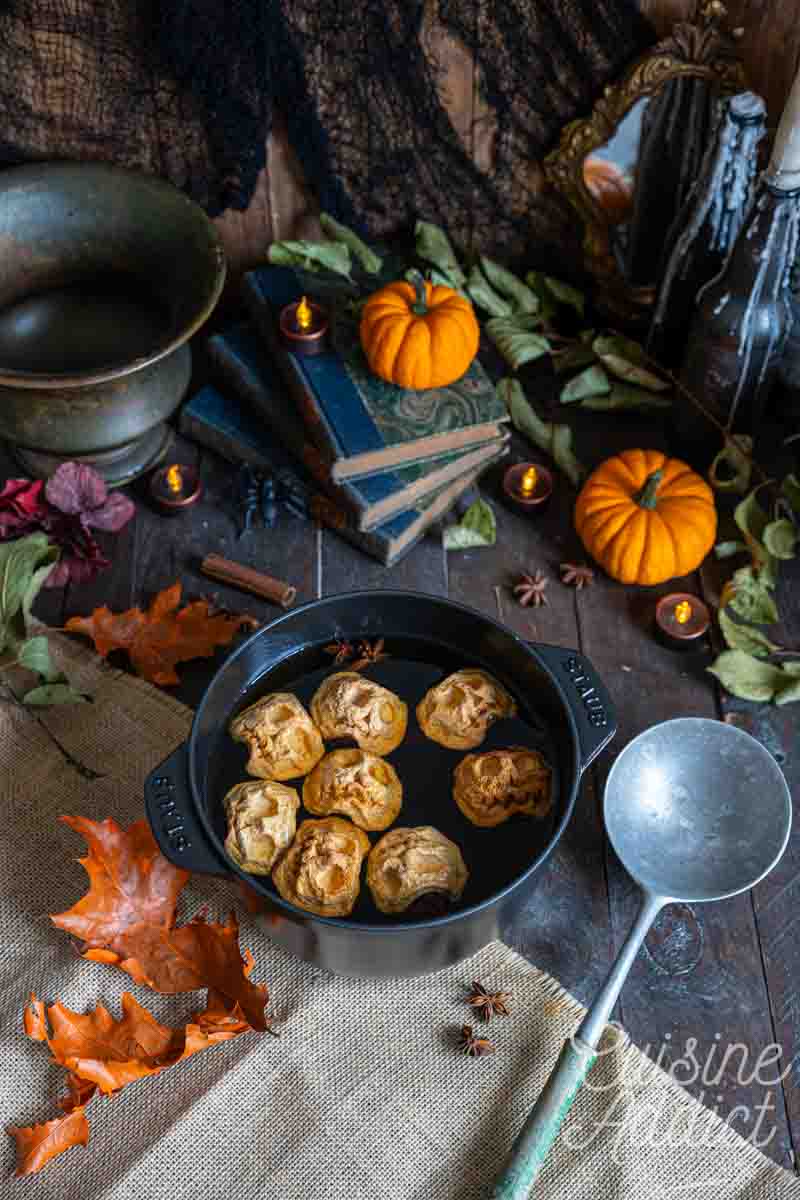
363, 1095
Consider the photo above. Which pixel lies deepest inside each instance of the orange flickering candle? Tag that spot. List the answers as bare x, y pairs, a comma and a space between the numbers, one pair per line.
304, 315
528, 482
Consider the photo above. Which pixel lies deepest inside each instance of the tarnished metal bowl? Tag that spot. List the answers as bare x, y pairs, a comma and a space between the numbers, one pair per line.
104, 276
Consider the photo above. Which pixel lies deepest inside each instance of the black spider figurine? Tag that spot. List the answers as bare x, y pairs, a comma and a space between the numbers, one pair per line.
264, 492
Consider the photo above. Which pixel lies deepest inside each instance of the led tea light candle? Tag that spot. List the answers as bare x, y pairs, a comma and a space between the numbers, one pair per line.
528, 485
175, 487
682, 620
304, 327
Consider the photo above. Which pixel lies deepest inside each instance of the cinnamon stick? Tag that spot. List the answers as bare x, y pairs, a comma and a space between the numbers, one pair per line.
248, 579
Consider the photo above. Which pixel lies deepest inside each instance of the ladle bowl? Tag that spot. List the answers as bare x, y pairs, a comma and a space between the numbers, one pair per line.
696, 810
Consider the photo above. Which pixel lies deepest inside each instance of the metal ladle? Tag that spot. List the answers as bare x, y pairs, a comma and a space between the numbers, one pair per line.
696, 810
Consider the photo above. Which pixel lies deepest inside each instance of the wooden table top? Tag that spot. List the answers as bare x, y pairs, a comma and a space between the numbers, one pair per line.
711, 977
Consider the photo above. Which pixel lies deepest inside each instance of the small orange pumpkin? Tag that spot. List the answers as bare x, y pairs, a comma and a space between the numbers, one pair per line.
646, 518
420, 336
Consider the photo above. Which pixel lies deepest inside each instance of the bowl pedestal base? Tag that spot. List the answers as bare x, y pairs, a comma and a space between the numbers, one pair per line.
117, 467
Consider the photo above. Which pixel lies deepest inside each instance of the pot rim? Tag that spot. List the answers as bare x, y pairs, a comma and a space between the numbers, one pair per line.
35, 380
399, 927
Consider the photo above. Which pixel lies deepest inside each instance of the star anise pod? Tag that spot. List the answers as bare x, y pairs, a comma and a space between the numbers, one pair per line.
474, 1047
577, 574
341, 651
370, 652
531, 589
488, 1004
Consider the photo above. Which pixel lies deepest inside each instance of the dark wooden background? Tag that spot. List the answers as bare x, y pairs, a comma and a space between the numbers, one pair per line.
284, 207
722, 973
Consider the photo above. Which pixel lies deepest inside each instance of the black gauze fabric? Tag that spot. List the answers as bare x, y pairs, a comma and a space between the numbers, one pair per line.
187, 89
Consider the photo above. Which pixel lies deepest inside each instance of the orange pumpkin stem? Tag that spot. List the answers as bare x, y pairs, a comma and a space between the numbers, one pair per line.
420, 305
647, 495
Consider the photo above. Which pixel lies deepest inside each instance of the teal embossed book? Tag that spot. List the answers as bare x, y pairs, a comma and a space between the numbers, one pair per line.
360, 423
242, 367
228, 426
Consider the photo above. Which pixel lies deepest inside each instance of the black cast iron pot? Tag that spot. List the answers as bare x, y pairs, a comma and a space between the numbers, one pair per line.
565, 711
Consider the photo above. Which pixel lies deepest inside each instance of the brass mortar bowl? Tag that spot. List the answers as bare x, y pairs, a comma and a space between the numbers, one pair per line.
104, 276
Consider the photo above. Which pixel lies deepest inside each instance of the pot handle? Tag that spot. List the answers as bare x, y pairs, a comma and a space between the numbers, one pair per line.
168, 803
587, 697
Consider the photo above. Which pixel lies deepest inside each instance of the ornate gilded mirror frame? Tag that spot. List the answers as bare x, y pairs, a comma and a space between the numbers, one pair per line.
701, 48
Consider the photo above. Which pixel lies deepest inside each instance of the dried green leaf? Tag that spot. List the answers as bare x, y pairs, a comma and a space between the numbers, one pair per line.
439, 277
433, 246
477, 527
780, 538
751, 599
547, 301
554, 439
591, 382
791, 490
736, 464
565, 293
34, 655
745, 637
53, 693
627, 360
523, 298
751, 519
311, 256
517, 344
483, 294
370, 261
574, 356
22, 573
729, 549
768, 571
790, 691
626, 396
747, 677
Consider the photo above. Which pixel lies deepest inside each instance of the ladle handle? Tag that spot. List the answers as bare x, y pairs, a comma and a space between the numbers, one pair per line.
555, 1100
541, 1128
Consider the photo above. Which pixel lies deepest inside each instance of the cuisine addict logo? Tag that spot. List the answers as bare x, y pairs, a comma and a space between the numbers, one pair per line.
626, 1113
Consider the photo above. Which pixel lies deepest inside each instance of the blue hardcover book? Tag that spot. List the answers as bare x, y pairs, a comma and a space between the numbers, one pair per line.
228, 426
241, 365
360, 423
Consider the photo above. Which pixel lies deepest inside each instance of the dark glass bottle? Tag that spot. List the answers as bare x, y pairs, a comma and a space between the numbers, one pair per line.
708, 223
744, 315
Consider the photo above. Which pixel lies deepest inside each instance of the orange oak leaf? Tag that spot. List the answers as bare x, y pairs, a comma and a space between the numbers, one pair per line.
161, 637
38, 1144
103, 1053
127, 918
96, 1048
34, 1020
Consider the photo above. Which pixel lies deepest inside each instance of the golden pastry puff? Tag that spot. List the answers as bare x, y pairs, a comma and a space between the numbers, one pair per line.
408, 863
361, 785
348, 705
261, 823
458, 711
490, 787
281, 737
321, 870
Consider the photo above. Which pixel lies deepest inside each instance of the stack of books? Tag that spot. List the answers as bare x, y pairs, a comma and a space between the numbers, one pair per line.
379, 464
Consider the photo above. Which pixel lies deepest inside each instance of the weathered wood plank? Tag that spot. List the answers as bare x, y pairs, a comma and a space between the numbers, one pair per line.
155, 550
564, 929
246, 235
344, 568
701, 972
774, 900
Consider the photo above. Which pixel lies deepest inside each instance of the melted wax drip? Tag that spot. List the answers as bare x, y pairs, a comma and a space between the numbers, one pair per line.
769, 287
723, 193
